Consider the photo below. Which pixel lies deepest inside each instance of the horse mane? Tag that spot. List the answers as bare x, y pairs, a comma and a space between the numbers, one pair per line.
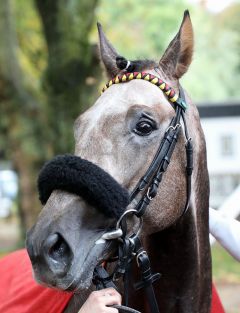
134, 65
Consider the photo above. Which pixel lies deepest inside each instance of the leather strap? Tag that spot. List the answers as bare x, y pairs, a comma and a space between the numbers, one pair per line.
102, 280
123, 308
147, 280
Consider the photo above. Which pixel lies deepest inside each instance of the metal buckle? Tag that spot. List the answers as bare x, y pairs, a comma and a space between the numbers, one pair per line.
148, 194
139, 254
113, 234
173, 127
188, 139
130, 211
127, 212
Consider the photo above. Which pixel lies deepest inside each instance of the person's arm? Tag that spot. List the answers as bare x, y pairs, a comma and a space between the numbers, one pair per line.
226, 231
98, 301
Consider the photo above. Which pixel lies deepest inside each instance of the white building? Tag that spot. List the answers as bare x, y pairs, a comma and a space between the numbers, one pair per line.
221, 125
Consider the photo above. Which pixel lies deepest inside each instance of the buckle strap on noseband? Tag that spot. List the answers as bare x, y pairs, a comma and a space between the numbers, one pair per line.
147, 280
130, 248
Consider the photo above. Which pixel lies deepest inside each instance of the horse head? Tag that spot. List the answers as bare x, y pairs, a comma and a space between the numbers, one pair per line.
121, 134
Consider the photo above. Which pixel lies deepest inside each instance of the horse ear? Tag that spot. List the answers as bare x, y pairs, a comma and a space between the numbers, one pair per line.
178, 55
107, 53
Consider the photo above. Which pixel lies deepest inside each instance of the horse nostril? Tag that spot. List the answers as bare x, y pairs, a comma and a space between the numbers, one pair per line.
60, 249
57, 250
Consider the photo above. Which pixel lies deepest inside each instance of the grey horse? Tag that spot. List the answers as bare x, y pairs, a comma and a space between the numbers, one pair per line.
178, 246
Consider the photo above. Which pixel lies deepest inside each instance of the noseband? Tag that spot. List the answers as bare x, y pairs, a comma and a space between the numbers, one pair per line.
81, 177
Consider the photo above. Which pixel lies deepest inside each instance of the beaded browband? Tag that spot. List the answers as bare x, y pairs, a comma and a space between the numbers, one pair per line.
169, 91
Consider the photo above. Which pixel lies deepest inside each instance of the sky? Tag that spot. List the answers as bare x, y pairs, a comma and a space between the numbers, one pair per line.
216, 5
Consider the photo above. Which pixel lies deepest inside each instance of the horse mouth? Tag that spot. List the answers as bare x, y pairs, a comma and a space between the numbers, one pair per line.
78, 274
83, 272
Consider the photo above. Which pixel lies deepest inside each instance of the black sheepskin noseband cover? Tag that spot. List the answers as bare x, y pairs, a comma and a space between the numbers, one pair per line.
81, 177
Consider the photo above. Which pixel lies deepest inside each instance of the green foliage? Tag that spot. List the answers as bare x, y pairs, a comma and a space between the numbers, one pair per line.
213, 75
46, 59
225, 267
32, 46
144, 29
141, 28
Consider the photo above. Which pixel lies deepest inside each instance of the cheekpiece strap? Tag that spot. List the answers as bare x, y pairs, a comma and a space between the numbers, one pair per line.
168, 91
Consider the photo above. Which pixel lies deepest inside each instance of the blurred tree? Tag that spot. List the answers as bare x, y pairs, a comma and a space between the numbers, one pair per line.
141, 28
146, 27
213, 74
229, 19
70, 78
37, 114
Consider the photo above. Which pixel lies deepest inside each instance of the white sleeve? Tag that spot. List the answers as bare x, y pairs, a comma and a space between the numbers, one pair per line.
226, 231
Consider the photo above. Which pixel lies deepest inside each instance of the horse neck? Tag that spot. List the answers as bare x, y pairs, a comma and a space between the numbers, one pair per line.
181, 254
77, 301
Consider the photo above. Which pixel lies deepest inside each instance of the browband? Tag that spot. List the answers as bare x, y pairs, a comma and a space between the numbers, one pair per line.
85, 179
169, 91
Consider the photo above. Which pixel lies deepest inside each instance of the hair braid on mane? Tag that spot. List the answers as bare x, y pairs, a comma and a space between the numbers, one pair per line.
134, 66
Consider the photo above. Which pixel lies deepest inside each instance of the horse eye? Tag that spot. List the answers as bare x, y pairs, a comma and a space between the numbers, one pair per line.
144, 127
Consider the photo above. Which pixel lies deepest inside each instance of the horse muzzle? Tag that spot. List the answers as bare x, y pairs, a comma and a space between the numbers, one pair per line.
60, 264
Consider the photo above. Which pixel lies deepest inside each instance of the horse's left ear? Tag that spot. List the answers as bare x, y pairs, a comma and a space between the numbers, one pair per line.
108, 53
178, 56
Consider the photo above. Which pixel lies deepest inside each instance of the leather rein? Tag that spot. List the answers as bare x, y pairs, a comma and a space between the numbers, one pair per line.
129, 245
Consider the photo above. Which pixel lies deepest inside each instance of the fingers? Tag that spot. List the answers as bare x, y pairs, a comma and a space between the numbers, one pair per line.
109, 296
112, 299
111, 310
101, 301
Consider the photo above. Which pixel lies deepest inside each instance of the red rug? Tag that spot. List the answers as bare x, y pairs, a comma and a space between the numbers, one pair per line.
21, 294
216, 302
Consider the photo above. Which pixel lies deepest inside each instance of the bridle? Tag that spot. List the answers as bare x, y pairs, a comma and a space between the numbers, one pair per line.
129, 246
76, 175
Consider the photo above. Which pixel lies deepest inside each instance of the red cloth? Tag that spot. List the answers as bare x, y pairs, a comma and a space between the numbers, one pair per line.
19, 293
216, 302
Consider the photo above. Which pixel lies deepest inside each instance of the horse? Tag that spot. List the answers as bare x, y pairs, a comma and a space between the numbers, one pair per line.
120, 134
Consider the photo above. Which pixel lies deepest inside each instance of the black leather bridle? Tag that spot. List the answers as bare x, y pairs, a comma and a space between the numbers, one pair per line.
149, 183
99, 189
129, 246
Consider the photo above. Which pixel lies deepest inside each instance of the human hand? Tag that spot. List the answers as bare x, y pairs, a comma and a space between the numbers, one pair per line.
98, 301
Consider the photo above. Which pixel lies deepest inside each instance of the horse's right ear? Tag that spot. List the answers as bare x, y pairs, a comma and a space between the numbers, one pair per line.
178, 56
108, 53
